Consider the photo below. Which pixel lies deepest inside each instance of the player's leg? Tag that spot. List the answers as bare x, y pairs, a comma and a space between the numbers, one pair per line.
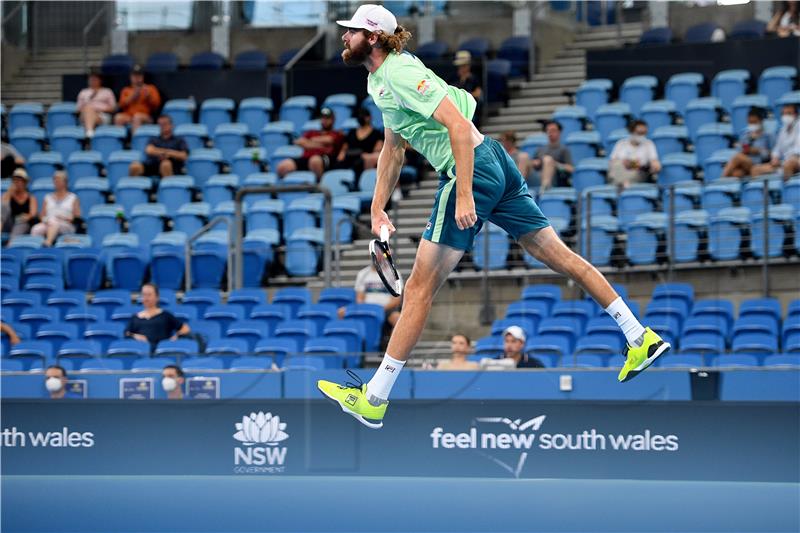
367, 401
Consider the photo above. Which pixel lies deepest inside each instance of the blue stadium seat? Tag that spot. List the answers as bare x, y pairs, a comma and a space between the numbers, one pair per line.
755, 344
748, 29
29, 351
786, 359
84, 269
528, 325
61, 114
258, 179
710, 138
431, 50
677, 167
298, 110
701, 33
701, 111
250, 60
532, 143
569, 317
332, 349
79, 351
270, 315
248, 298
83, 164
224, 315
682, 88
161, 62
206, 61
721, 194
209, 259
635, 201
555, 345
298, 330
674, 291
229, 138
204, 163
216, 111
339, 296
247, 161
691, 230
43, 164
11, 365
637, 91
515, 50
204, 364
179, 347
275, 135
779, 221
646, 236
251, 331
498, 248
372, 316
131, 191
774, 82
167, 259
533, 310
67, 140
589, 172
108, 139
252, 363
603, 232
727, 85
180, 110
726, 233
191, 217
478, 47
320, 314
195, 135
110, 299
491, 347
116, 64
670, 140
25, 115
201, 299
593, 93
126, 262
220, 188
104, 333
305, 362
294, 297
658, 113
571, 118
756, 306
277, 348
228, 347
91, 191
56, 333
342, 105
28, 140
151, 364
141, 137
63, 300
715, 163
147, 221
303, 252
255, 113
734, 360
672, 360
756, 323
583, 144
610, 117
34, 317
605, 344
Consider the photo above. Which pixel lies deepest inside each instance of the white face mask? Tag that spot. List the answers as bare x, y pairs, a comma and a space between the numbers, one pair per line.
169, 384
787, 119
636, 138
753, 128
53, 384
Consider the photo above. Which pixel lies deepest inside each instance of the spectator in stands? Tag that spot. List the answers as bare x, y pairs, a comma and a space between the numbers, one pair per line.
55, 381
172, 382
786, 21
460, 347
634, 159
138, 102
553, 161
154, 324
19, 206
11, 160
514, 348
755, 145
370, 290
95, 104
59, 211
321, 148
8, 329
166, 154
464, 79
786, 153
362, 146
523, 161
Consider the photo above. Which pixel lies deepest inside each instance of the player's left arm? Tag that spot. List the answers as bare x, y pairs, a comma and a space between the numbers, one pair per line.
460, 132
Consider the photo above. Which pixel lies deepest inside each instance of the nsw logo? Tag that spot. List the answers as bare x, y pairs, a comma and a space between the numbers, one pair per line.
261, 434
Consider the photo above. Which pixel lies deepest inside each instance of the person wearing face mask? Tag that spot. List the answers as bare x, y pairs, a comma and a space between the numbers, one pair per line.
361, 146
786, 153
55, 381
321, 148
172, 382
154, 324
635, 158
755, 145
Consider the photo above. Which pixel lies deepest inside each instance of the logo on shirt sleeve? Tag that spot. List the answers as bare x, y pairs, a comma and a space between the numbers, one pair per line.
423, 86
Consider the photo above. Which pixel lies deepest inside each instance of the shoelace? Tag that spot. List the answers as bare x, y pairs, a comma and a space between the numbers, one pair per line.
348, 385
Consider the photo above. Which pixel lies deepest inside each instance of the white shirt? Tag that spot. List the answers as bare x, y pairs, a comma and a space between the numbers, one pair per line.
644, 153
369, 282
62, 210
788, 143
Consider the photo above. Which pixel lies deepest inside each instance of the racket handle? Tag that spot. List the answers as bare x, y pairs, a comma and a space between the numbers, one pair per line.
385, 233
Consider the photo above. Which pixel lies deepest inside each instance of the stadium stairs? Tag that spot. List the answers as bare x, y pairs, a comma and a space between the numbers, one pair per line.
40, 79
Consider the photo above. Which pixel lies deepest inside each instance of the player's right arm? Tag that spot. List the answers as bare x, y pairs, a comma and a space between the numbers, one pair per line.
390, 162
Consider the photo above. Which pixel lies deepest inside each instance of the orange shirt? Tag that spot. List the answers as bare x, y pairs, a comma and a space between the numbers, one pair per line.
148, 101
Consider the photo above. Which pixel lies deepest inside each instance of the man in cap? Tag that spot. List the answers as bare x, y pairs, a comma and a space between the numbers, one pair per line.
514, 348
464, 79
479, 182
138, 102
321, 148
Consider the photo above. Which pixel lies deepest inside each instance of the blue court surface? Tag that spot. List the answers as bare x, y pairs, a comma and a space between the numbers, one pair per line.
210, 504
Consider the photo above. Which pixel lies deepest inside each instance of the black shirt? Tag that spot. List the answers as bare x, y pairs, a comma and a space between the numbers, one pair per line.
529, 362
365, 145
173, 143
469, 84
162, 326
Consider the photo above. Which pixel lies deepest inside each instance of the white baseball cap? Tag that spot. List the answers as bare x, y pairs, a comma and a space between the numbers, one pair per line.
373, 18
516, 332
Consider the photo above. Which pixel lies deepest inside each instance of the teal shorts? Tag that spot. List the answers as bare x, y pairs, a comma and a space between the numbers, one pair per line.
501, 197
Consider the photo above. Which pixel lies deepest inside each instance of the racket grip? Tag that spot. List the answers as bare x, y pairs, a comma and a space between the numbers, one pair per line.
385, 233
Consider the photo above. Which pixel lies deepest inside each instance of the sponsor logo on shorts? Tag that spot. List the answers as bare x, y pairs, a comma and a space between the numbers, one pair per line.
428, 226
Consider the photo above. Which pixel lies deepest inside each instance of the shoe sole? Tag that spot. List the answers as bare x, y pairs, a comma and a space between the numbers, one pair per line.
357, 416
647, 362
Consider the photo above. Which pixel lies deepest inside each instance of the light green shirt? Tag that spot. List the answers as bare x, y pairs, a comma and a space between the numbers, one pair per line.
407, 93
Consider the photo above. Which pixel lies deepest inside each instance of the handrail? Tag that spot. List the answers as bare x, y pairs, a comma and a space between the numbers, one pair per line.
86, 30
13, 12
188, 249
238, 226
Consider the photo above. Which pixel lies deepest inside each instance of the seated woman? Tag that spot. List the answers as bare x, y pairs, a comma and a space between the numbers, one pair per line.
786, 20
361, 146
19, 206
154, 324
755, 145
59, 211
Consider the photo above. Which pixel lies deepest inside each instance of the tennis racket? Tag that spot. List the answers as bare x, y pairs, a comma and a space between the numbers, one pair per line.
384, 264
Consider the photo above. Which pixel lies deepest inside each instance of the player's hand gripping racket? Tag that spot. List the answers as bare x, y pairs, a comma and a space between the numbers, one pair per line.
384, 264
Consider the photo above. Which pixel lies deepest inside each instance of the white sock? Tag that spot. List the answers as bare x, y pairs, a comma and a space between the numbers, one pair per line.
631, 327
382, 382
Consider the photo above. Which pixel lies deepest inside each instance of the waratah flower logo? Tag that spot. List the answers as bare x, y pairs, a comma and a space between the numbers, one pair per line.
260, 428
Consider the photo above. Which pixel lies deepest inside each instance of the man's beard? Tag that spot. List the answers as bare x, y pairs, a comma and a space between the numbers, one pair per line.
354, 57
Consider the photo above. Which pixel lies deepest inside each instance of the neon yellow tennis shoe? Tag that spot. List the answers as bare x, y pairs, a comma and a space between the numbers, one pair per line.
352, 398
638, 358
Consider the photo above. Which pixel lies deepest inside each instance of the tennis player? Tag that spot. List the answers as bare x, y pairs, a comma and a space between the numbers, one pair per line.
479, 182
